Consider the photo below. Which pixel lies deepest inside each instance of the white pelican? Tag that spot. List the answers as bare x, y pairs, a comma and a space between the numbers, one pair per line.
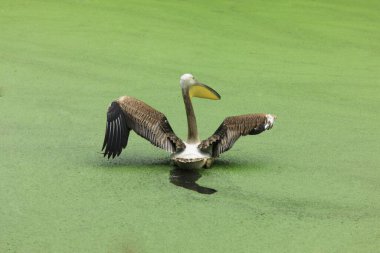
128, 113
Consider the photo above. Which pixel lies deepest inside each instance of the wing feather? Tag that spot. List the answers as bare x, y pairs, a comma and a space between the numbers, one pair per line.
127, 114
232, 128
117, 136
106, 135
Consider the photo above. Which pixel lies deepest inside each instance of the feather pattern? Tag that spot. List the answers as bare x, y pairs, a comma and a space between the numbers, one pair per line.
129, 113
232, 128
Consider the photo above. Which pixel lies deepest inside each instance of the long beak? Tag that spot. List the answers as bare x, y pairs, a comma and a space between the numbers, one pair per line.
201, 90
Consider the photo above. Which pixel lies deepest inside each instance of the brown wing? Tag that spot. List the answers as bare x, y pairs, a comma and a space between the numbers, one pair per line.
233, 127
129, 113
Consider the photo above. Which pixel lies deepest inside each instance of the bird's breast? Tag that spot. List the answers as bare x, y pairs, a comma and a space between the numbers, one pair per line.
191, 157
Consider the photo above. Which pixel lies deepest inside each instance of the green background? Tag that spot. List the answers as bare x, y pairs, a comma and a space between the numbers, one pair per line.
311, 184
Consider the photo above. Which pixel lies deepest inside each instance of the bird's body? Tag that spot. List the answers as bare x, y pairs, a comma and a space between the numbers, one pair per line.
192, 157
128, 113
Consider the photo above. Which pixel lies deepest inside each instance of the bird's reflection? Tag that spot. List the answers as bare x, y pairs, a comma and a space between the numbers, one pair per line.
187, 179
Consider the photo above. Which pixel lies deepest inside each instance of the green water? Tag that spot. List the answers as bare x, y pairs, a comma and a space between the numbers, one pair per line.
311, 184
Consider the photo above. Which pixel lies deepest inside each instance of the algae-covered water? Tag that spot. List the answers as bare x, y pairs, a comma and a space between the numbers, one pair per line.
311, 184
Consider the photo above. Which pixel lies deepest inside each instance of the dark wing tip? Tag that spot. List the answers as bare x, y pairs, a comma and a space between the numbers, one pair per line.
263, 122
117, 131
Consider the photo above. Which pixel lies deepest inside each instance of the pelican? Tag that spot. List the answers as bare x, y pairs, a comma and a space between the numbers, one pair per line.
128, 113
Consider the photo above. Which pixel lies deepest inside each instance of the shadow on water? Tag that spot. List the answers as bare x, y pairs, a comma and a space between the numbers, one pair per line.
187, 179
179, 177
183, 178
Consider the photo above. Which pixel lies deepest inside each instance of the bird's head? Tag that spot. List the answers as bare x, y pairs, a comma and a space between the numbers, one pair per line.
193, 88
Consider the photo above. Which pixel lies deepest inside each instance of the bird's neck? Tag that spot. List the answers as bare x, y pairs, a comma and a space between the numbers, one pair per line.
192, 134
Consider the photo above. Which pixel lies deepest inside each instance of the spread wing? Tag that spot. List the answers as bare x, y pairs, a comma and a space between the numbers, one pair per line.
126, 114
232, 128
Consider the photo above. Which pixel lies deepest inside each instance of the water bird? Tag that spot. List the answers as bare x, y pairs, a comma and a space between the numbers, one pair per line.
128, 113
